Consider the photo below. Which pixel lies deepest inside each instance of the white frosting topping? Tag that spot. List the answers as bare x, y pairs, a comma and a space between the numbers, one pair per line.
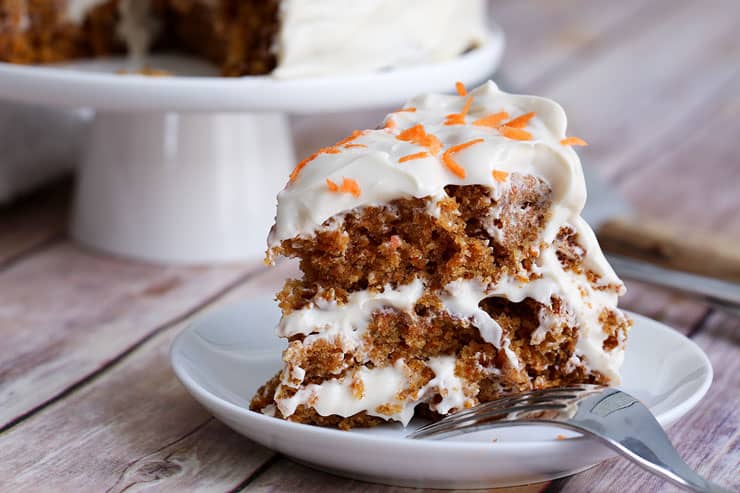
329, 37
307, 202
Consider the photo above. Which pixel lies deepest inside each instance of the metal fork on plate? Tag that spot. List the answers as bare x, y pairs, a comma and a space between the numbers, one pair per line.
621, 421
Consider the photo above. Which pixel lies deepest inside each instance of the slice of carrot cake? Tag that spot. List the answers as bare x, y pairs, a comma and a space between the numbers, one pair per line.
444, 263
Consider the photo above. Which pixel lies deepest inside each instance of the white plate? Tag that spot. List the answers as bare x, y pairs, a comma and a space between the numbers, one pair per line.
225, 356
94, 83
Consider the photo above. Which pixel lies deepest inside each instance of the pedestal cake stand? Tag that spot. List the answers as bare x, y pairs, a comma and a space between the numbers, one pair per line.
185, 168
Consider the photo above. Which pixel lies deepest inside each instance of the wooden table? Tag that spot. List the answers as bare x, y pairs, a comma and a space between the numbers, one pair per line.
87, 398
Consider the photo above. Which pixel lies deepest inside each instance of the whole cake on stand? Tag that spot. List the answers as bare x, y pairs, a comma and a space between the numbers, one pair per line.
288, 38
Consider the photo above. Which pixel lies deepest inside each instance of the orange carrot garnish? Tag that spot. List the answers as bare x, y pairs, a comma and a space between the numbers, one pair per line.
459, 118
455, 119
499, 175
418, 135
573, 141
302, 164
520, 121
390, 123
466, 108
333, 187
351, 186
350, 146
418, 155
493, 120
349, 139
515, 133
406, 110
451, 164
460, 87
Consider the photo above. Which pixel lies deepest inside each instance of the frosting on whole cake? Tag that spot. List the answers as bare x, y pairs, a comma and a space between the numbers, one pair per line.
136, 26
330, 37
76, 10
436, 140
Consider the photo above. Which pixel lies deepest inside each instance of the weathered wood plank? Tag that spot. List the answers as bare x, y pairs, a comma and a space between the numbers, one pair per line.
133, 427
707, 438
33, 221
67, 313
545, 39
285, 475
644, 89
675, 310
703, 169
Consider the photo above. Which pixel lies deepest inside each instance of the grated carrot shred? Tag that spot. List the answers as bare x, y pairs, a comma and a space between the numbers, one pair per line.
515, 133
418, 135
418, 155
493, 120
302, 164
520, 121
350, 146
351, 186
573, 141
460, 87
455, 119
453, 165
390, 123
466, 108
459, 118
325, 150
500, 176
333, 187
406, 110
349, 139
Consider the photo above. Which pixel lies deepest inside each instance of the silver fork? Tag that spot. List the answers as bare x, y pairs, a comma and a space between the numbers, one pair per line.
618, 419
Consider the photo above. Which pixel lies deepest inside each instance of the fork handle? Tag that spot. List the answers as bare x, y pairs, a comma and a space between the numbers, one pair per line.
678, 473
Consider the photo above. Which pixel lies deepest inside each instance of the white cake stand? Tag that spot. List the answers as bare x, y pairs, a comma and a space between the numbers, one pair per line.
186, 168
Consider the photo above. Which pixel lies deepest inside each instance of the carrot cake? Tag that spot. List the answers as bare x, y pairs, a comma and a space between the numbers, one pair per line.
444, 262
288, 38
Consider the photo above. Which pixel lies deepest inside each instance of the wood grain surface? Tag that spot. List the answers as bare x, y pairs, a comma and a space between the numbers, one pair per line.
88, 401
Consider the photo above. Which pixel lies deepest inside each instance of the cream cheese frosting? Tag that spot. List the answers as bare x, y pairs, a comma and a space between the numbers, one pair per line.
373, 159
136, 26
328, 37
76, 10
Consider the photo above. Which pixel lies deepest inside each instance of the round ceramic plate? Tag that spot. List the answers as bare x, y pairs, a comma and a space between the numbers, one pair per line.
224, 357
196, 87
